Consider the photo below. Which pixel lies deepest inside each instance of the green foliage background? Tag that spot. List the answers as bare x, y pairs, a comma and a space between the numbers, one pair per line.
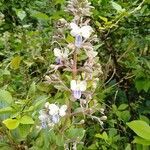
26, 52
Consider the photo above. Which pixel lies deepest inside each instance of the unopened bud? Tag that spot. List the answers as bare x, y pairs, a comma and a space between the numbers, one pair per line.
103, 118
47, 105
102, 110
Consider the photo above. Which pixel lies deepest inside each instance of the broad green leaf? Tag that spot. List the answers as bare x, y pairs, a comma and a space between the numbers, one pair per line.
141, 128
142, 84
5, 98
142, 141
15, 62
116, 6
122, 107
11, 123
24, 130
75, 133
26, 120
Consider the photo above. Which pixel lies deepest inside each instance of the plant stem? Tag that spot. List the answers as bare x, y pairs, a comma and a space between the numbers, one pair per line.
74, 71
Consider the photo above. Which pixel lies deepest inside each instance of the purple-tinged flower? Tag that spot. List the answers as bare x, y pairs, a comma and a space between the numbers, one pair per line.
79, 33
77, 88
61, 55
43, 124
55, 118
78, 41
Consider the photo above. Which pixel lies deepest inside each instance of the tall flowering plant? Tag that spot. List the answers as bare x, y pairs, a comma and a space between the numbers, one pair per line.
74, 74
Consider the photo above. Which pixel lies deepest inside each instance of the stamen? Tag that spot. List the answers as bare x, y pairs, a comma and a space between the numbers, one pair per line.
78, 41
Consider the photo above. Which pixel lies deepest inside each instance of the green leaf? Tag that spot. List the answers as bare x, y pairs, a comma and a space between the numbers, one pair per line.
32, 89
21, 14
75, 133
142, 141
128, 147
24, 130
5, 98
116, 6
11, 123
40, 16
141, 128
142, 84
69, 39
15, 62
122, 107
103, 18
103, 136
6, 110
26, 120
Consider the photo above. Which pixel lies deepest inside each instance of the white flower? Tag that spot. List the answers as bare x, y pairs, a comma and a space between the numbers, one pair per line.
43, 117
55, 118
84, 31
78, 87
60, 54
53, 109
62, 110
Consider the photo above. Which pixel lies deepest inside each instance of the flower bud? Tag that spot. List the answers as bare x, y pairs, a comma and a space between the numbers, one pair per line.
103, 118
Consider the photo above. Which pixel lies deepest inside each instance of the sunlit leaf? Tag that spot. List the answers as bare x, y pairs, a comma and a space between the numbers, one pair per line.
26, 120
11, 123
141, 128
15, 62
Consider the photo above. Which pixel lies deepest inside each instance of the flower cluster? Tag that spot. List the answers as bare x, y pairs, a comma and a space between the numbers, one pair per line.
51, 114
71, 41
79, 7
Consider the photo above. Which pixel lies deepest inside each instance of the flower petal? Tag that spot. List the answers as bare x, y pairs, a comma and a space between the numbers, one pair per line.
55, 118
53, 109
77, 94
86, 31
57, 52
66, 53
75, 29
73, 84
83, 85
62, 110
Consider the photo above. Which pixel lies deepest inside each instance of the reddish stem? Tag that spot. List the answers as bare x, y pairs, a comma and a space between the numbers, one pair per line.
74, 71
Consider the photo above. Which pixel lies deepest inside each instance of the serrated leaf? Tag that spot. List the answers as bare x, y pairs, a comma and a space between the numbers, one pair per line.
141, 128
15, 62
11, 123
26, 120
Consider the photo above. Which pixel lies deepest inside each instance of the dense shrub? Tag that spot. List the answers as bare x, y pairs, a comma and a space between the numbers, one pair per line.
113, 111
